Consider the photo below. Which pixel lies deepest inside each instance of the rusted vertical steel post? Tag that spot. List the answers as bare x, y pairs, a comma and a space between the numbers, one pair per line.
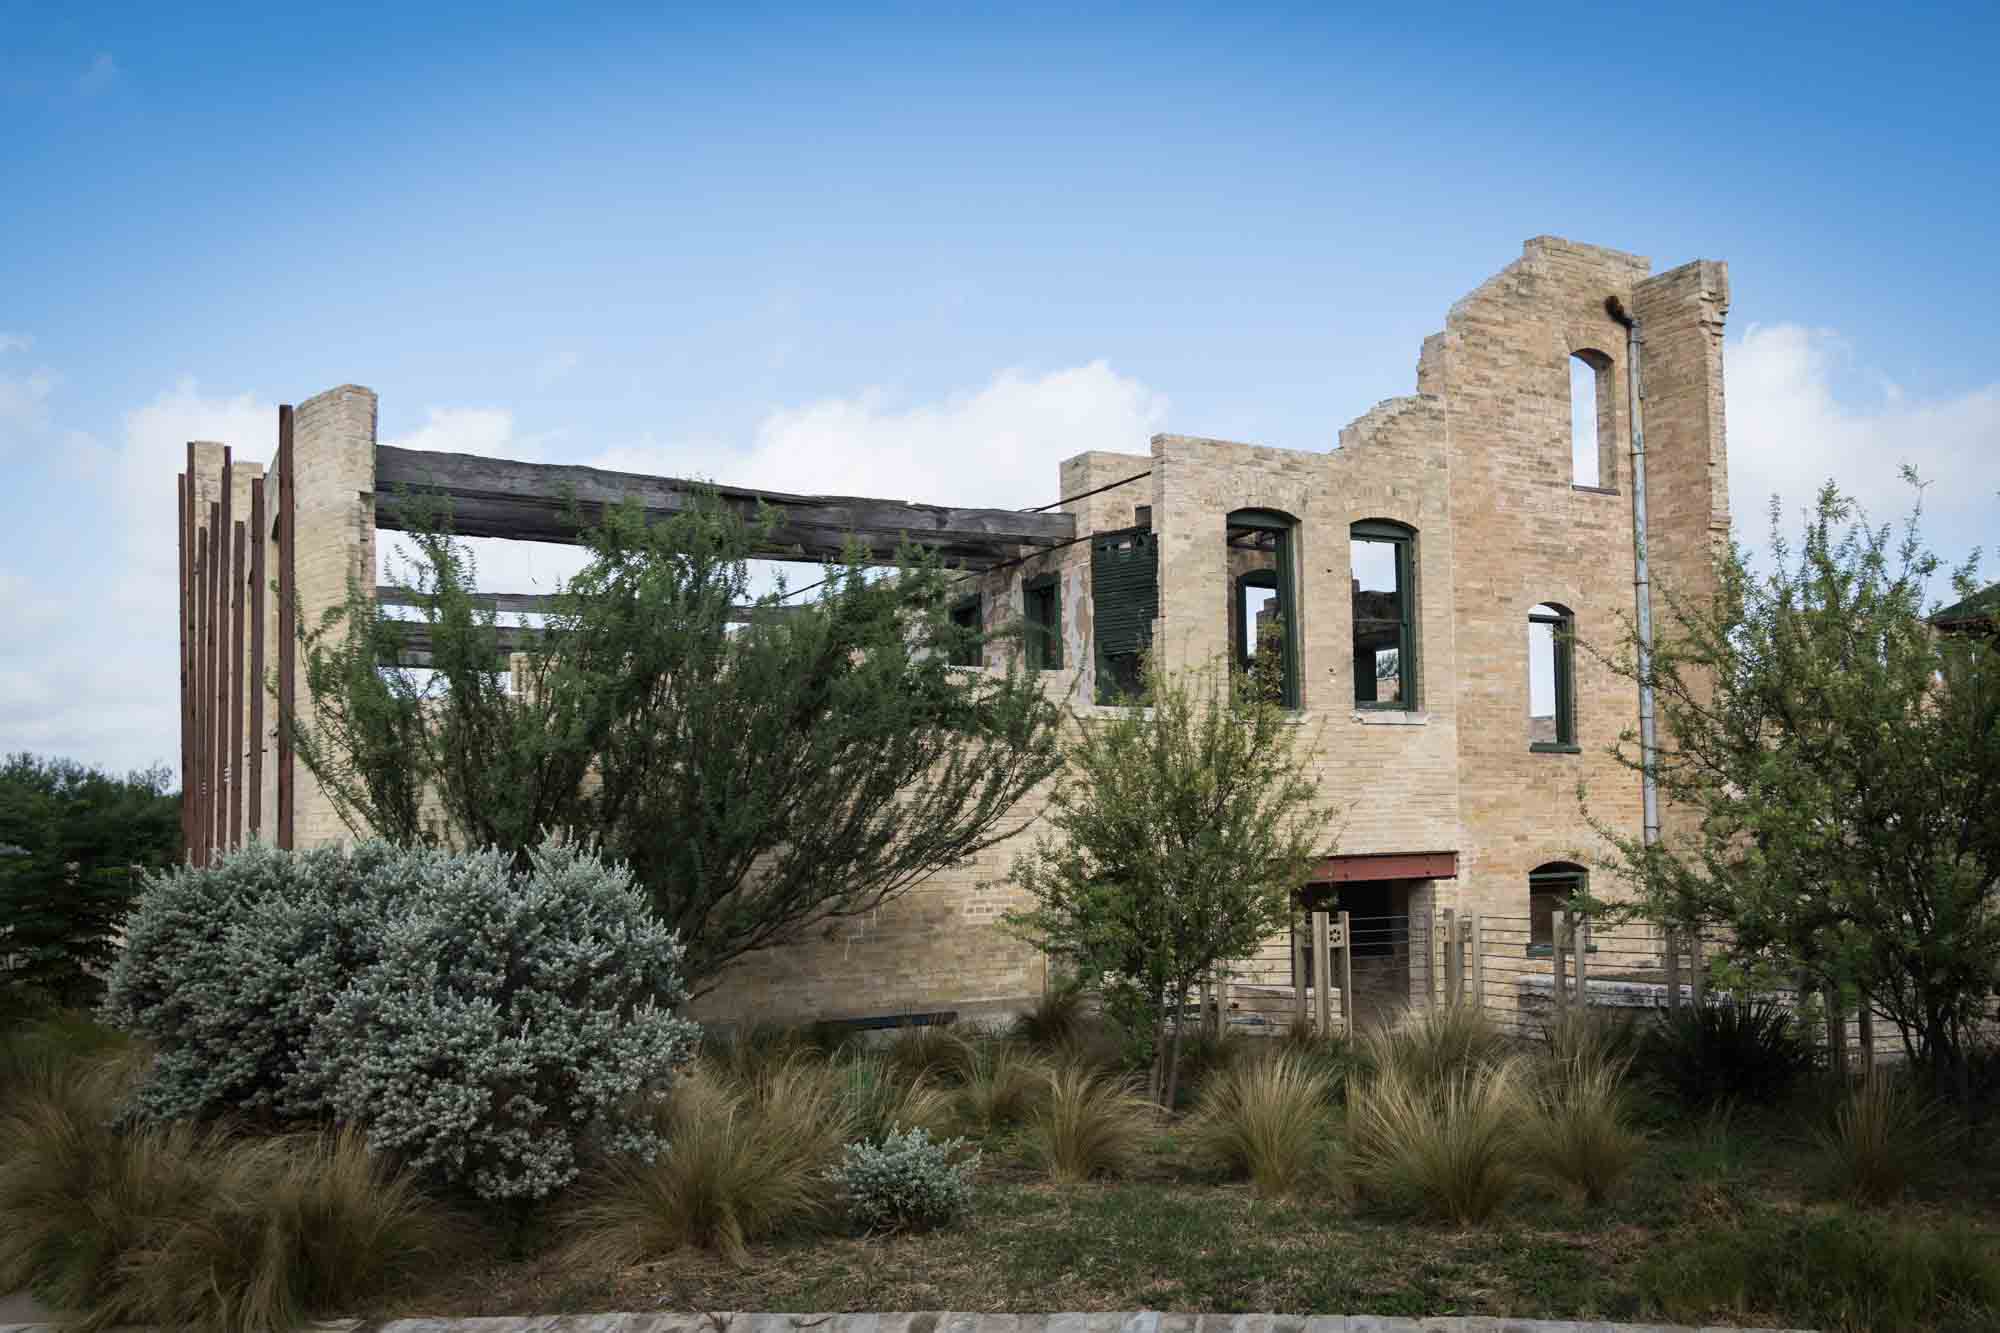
223, 573
259, 534
182, 573
288, 620
236, 691
202, 823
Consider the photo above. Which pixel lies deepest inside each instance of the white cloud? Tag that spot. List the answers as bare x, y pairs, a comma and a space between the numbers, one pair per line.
15, 342
1790, 429
100, 680
998, 446
102, 73
24, 398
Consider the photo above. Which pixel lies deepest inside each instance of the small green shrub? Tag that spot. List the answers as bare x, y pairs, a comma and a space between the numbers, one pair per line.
1750, 1050
1090, 1123
1838, 1271
1881, 1138
1267, 1119
1576, 1127
740, 1164
1436, 1045
1442, 1143
907, 1182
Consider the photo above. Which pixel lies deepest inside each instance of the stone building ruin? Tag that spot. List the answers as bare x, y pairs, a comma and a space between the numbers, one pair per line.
1418, 584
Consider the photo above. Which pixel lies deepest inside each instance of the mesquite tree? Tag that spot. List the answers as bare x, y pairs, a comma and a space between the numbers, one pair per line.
1842, 760
759, 778
1181, 830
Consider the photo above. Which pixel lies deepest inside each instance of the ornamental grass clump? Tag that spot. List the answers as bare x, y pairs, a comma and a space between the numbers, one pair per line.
1575, 1126
878, 1098
907, 1182
1090, 1124
1266, 1118
741, 1164
1433, 1046
177, 1225
1004, 1083
1881, 1139
1442, 1143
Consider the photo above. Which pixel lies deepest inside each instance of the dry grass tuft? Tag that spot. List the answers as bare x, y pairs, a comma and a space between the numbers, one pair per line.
1576, 1126
1882, 1138
1266, 1118
1091, 1124
740, 1164
1434, 1046
878, 1098
178, 1226
1004, 1086
1441, 1142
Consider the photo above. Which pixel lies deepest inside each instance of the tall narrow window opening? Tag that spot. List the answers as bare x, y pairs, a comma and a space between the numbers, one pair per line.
966, 648
1551, 679
1263, 610
1385, 650
1584, 470
1042, 599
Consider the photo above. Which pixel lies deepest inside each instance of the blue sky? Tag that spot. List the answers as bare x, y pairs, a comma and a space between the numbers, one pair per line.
922, 251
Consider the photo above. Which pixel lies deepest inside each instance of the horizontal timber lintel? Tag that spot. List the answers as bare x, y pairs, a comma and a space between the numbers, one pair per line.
499, 497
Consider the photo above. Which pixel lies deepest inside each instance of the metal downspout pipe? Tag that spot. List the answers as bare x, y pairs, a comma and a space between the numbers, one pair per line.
1642, 592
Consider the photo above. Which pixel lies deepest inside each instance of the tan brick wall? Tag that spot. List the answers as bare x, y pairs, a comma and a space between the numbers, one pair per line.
1477, 461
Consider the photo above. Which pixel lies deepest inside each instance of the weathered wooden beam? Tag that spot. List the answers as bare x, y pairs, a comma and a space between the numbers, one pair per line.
183, 573
538, 603
499, 497
237, 588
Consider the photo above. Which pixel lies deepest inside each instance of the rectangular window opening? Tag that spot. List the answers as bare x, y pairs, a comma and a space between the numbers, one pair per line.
1263, 616
966, 649
1125, 600
1551, 684
1385, 674
1042, 604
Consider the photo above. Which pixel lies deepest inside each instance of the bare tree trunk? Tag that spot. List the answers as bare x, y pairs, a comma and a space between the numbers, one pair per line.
1174, 1063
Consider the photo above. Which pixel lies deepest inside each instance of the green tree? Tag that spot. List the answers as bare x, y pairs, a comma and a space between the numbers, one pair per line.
1842, 761
72, 842
1180, 831
763, 766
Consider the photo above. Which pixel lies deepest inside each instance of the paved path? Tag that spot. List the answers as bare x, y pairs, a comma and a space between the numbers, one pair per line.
1144, 1321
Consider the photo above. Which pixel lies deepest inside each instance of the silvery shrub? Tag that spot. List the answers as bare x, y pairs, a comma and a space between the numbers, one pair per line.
483, 1024
906, 1182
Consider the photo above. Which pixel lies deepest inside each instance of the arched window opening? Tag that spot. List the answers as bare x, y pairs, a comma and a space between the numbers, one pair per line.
1552, 887
1385, 651
1263, 609
1551, 679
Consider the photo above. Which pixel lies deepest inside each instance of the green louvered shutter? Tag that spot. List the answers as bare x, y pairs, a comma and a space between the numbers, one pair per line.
1125, 598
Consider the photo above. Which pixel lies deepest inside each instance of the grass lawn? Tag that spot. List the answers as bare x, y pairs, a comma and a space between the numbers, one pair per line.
1720, 1222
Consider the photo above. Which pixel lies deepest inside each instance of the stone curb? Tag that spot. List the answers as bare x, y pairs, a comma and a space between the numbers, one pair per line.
936, 1321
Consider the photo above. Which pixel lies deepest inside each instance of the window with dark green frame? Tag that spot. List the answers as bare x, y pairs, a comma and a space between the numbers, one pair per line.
1264, 614
1552, 680
965, 649
1385, 647
1042, 610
